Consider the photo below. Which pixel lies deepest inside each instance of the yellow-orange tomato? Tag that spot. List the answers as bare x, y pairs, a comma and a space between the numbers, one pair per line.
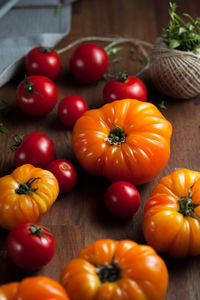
8, 291
26, 195
123, 140
110, 270
33, 288
172, 214
40, 288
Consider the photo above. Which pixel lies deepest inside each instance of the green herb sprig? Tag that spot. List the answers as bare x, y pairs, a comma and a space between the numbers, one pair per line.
182, 35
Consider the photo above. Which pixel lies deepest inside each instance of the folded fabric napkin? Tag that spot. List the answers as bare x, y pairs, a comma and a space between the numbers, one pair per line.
26, 24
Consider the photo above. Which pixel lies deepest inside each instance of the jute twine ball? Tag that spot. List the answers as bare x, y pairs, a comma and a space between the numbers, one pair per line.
175, 73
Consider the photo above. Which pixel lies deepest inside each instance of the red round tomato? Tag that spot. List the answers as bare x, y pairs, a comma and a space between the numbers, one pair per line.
122, 199
124, 87
70, 109
30, 246
36, 149
65, 173
43, 61
36, 95
89, 62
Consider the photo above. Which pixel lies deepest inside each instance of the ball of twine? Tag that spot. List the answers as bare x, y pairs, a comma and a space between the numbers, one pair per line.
175, 73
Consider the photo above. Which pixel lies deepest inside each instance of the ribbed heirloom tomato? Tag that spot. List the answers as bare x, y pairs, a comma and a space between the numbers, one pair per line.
8, 291
126, 140
26, 195
33, 288
172, 214
115, 271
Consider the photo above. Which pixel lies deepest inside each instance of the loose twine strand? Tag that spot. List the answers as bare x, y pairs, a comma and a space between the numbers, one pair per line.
113, 41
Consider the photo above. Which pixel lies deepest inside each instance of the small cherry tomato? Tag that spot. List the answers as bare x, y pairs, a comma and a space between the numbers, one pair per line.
65, 173
43, 61
89, 62
36, 95
124, 87
70, 109
36, 149
30, 246
122, 199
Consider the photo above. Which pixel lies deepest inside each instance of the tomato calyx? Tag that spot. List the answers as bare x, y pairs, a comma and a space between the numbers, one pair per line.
187, 207
38, 230
17, 139
25, 188
29, 87
122, 76
116, 136
108, 272
45, 50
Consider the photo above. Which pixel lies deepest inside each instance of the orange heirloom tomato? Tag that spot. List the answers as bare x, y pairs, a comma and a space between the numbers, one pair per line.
40, 288
8, 291
125, 140
26, 195
109, 270
172, 214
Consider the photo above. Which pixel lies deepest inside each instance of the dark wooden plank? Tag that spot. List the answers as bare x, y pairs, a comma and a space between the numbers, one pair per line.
79, 217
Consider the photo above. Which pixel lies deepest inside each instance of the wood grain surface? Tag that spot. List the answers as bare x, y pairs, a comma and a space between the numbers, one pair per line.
79, 217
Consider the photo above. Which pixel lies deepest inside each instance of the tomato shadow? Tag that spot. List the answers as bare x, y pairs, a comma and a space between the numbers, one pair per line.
92, 191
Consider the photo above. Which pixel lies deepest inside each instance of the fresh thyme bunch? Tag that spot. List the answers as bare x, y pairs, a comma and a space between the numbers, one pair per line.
182, 35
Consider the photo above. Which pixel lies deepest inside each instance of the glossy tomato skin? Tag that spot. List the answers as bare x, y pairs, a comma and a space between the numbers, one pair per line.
8, 291
122, 199
30, 250
70, 109
36, 149
131, 88
112, 270
43, 61
165, 227
26, 195
144, 141
41, 100
40, 288
65, 173
89, 62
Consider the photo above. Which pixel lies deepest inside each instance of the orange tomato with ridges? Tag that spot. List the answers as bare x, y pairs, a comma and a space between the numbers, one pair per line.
171, 220
26, 195
126, 140
113, 270
32, 288
8, 291
40, 288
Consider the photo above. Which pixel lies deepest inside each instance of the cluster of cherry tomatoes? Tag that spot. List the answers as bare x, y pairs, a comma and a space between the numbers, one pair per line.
37, 95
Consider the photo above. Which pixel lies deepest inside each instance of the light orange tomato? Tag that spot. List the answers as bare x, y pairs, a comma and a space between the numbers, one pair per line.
126, 140
110, 270
26, 195
40, 288
33, 288
172, 214
8, 291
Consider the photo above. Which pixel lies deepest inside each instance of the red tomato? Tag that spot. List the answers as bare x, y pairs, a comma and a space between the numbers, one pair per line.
70, 109
36, 95
65, 173
36, 149
89, 62
124, 87
30, 246
43, 61
122, 199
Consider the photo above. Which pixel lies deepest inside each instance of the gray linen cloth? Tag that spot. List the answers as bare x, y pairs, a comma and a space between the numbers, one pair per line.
26, 24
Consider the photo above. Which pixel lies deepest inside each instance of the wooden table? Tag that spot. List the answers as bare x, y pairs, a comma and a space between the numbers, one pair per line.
79, 217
